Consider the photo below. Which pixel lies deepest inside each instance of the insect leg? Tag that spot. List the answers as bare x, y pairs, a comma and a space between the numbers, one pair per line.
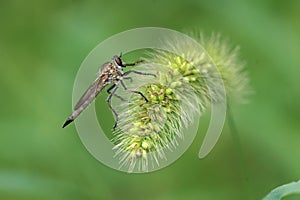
133, 64
109, 104
112, 87
134, 91
137, 72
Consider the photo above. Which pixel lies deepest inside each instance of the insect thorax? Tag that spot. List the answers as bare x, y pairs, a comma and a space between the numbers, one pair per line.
111, 72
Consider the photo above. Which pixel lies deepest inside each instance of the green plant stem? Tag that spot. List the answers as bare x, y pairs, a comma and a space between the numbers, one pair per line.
240, 152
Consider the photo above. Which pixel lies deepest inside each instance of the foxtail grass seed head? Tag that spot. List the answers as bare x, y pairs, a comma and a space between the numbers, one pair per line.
146, 130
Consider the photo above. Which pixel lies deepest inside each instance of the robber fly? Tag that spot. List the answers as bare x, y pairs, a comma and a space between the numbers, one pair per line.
109, 73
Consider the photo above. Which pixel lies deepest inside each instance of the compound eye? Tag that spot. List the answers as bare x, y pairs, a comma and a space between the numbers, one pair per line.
118, 60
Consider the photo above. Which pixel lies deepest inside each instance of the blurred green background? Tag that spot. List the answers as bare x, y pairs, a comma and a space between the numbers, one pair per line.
42, 46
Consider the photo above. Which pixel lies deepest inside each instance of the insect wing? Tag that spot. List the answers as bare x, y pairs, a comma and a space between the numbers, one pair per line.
90, 94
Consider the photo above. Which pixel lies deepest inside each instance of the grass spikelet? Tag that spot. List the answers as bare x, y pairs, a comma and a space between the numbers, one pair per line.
147, 130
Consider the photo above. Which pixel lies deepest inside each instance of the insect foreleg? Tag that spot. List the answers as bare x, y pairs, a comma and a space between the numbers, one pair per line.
133, 64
